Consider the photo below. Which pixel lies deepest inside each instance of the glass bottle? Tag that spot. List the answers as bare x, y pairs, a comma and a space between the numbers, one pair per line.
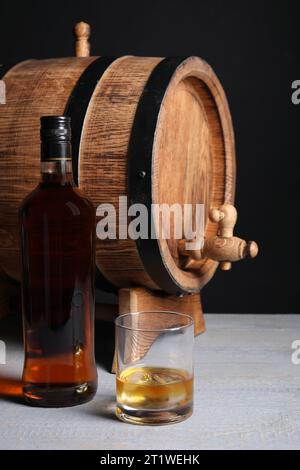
57, 230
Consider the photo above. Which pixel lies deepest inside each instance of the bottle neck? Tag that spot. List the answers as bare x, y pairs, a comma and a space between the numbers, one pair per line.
57, 172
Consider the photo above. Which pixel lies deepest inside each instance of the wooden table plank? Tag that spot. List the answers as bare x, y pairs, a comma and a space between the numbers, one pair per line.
246, 395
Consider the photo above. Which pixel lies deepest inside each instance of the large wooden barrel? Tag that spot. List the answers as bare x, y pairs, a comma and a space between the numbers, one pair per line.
157, 130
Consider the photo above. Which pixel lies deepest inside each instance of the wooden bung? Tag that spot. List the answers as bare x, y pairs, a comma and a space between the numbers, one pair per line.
82, 34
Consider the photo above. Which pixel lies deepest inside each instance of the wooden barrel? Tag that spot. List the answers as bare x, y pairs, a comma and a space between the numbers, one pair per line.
157, 130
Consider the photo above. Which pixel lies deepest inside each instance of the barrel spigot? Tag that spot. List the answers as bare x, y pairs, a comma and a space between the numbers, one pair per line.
224, 248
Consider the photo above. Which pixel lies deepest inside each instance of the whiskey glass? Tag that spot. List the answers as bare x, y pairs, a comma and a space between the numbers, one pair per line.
154, 367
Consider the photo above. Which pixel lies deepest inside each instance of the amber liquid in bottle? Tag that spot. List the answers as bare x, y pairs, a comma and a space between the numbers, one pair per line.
57, 225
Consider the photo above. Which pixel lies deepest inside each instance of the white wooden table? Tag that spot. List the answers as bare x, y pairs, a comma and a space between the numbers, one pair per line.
247, 395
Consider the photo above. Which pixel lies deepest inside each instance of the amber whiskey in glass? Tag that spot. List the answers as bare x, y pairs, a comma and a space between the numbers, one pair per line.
57, 231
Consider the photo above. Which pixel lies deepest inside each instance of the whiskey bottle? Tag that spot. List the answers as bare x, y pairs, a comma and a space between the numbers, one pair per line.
57, 231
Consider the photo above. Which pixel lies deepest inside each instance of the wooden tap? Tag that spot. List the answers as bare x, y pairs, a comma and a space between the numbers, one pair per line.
224, 248
82, 35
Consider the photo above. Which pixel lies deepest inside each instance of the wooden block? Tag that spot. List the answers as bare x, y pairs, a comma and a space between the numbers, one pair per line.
139, 299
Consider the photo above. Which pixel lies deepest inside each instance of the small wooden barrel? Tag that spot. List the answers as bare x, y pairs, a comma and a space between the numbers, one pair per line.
152, 129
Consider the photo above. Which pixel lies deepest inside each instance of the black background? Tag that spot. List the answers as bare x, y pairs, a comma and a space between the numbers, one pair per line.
254, 49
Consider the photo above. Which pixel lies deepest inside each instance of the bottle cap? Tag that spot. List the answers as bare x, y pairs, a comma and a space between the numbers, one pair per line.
55, 137
56, 128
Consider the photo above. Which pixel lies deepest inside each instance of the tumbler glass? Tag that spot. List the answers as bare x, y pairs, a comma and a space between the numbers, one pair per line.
154, 352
